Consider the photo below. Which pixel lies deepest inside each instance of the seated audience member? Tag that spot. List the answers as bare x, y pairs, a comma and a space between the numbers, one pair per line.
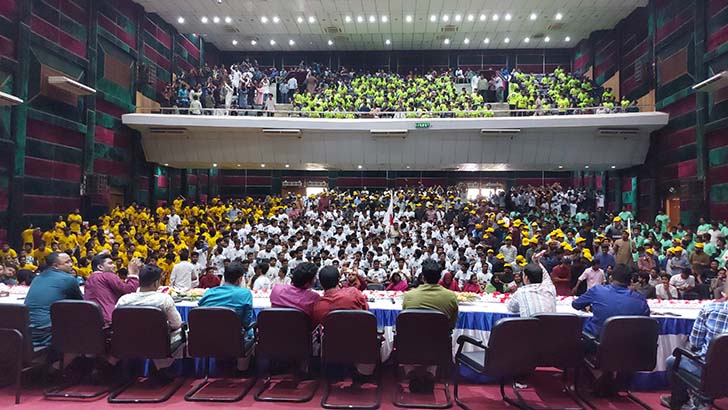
105, 287
54, 284
684, 282
232, 295
396, 283
718, 284
615, 299
8, 275
184, 274
710, 323
538, 295
665, 291
448, 282
298, 294
642, 285
209, 279
334, 297
354, 279
260, 280
25, 277
281, 278
473, 285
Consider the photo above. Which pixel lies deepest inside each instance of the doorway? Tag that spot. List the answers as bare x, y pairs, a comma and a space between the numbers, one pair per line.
116, 197
672, 209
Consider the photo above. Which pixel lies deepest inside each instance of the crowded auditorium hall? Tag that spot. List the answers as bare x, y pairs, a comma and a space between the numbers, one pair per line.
364, 205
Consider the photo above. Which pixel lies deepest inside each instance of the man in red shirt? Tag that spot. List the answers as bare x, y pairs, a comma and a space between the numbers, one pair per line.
209, 279
336, 298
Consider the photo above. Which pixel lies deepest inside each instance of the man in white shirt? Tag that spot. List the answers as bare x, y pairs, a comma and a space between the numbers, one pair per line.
376, 274
172, 222
509, 251
292, 88
183, 275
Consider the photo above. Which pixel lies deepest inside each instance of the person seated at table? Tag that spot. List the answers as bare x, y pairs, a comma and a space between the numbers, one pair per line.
448, 282
396, 283
297, 295
232, 295
664, 290
209, 279
336, 297
429, 295
642, 285
7, 275
710, 323
105, 287
260, 280
537, 295
472, 285
54, 284
718, 284
684, 282
354, 279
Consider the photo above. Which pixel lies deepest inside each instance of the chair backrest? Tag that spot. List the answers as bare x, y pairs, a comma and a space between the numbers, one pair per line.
350, 336
375, 286
714, 382
77, 327
15, 316
140, 332
423, 337
628, 344
11, 348
560, 340
513, 347
215, 332
283, 334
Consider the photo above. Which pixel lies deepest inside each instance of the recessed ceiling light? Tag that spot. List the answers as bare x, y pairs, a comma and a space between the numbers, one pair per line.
433, 18
508, 17
276, 19
272, 42
482, 17
359, 19
506, 40
408, 167
253, 42
288, 165
547, 39
216, 19
559, 16
359, 166
235, 42
203, 19
561, 167
311, 19
372, 19
586, 166
408, 19
228, 19
262, 165
533, 16
567, 39
264, 19
526, 40
471, 17
331, 42
291, 42
486, 40
384, 19
447, 41
466, 41
495, 17
181, 20
387, 41
614, 167
194, 34
238, 165
458, 17
166, 164
445, 17
299, 19
214, 165
347, 19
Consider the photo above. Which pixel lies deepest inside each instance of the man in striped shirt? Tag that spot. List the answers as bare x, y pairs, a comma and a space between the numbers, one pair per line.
538, 295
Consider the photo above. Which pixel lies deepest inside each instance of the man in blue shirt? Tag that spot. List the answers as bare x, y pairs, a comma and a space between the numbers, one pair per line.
615, 299
54, 284
606, 259
231, 295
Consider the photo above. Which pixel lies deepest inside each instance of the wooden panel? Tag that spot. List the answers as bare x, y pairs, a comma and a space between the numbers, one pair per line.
672, 67
55, 92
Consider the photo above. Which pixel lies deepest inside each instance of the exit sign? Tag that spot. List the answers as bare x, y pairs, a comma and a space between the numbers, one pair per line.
422, 125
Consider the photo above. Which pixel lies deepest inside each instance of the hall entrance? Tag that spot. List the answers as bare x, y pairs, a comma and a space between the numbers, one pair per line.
672, 209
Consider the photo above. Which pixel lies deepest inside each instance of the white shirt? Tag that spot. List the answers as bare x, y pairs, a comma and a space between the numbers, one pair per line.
183, 276
262, 283
160, 300
534, 298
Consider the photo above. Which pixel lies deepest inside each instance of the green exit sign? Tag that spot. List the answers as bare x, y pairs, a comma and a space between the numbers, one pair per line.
422, 125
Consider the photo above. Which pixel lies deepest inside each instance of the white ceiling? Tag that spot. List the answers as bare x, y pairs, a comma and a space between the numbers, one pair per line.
580, 18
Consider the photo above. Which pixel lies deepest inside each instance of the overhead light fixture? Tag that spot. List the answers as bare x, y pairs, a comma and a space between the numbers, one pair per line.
264, 19
299, 19
216, 20
433, 18
239, 165
311, 19
586, 166
408, 19
466, 41
387, 41
262, 165
495, 17
291, 42
408, 167
235, 42
288, 165
445, 17
385, 19
483, 17
203, 19
181, 20
253, 42
614, 167
166, 164
533, 16
471, 17
228, 19
214, 165
447, 41
272, 42
331, 42
506, 40
486, 40
559, 16
561, 167
567, 39
547, 39
526, 40
458, 17
359, 166
372, 19
359, 19
508, 17
347, 19
276, 19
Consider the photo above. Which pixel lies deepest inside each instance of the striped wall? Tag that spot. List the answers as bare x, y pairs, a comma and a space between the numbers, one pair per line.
8, 63
157, 38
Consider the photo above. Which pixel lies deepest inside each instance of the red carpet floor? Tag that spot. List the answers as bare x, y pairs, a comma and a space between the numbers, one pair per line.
543, 390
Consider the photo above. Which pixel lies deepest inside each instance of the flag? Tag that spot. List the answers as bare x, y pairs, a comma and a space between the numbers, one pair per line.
389, 215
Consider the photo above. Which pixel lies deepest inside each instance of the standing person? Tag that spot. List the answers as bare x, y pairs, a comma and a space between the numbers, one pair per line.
292, 88
184, 274
54, 284
624, 247
561, 276
105, 287
593, 276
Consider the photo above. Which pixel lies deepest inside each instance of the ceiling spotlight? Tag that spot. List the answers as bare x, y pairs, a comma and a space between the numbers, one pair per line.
486, 40
359, 166
559, 16
408, 19
471, 17
262, 165
331, 42
311, 19
216, 19
235, 42
482, 17
272, 42
567, 39
264, 19
445, 17
433, 18
291, 42
466, 41
214, 165
276, 19
228, 19
506, 40
508, 17
166, 164
239, 165
447, 41
561, 167
347, 19
299, 19
359, 19
526, 40
458, 17
408, 167
387, 41
614, 167
288, 165
384, 19
253, 42
586, 166
372, 19
533, 16
181, 20
495, 17
547, 39
203, 20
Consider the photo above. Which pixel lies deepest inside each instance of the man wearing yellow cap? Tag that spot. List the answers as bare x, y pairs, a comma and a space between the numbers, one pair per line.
700, 263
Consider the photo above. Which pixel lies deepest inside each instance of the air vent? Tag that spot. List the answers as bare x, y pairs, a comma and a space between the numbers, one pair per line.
282, 132
538, 36
388, 133
499, 131
556, 26
618, 131
450, 28
167, 130
332, 30
231, 29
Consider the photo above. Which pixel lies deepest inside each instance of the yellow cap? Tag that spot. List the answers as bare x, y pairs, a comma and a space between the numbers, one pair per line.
579, 240
617, 219
699, 245
650, 251
500, 256
525, 242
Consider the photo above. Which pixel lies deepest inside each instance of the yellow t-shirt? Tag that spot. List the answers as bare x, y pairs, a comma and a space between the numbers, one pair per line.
27, 236
28, 266
75, 221
9, 254
40, 254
